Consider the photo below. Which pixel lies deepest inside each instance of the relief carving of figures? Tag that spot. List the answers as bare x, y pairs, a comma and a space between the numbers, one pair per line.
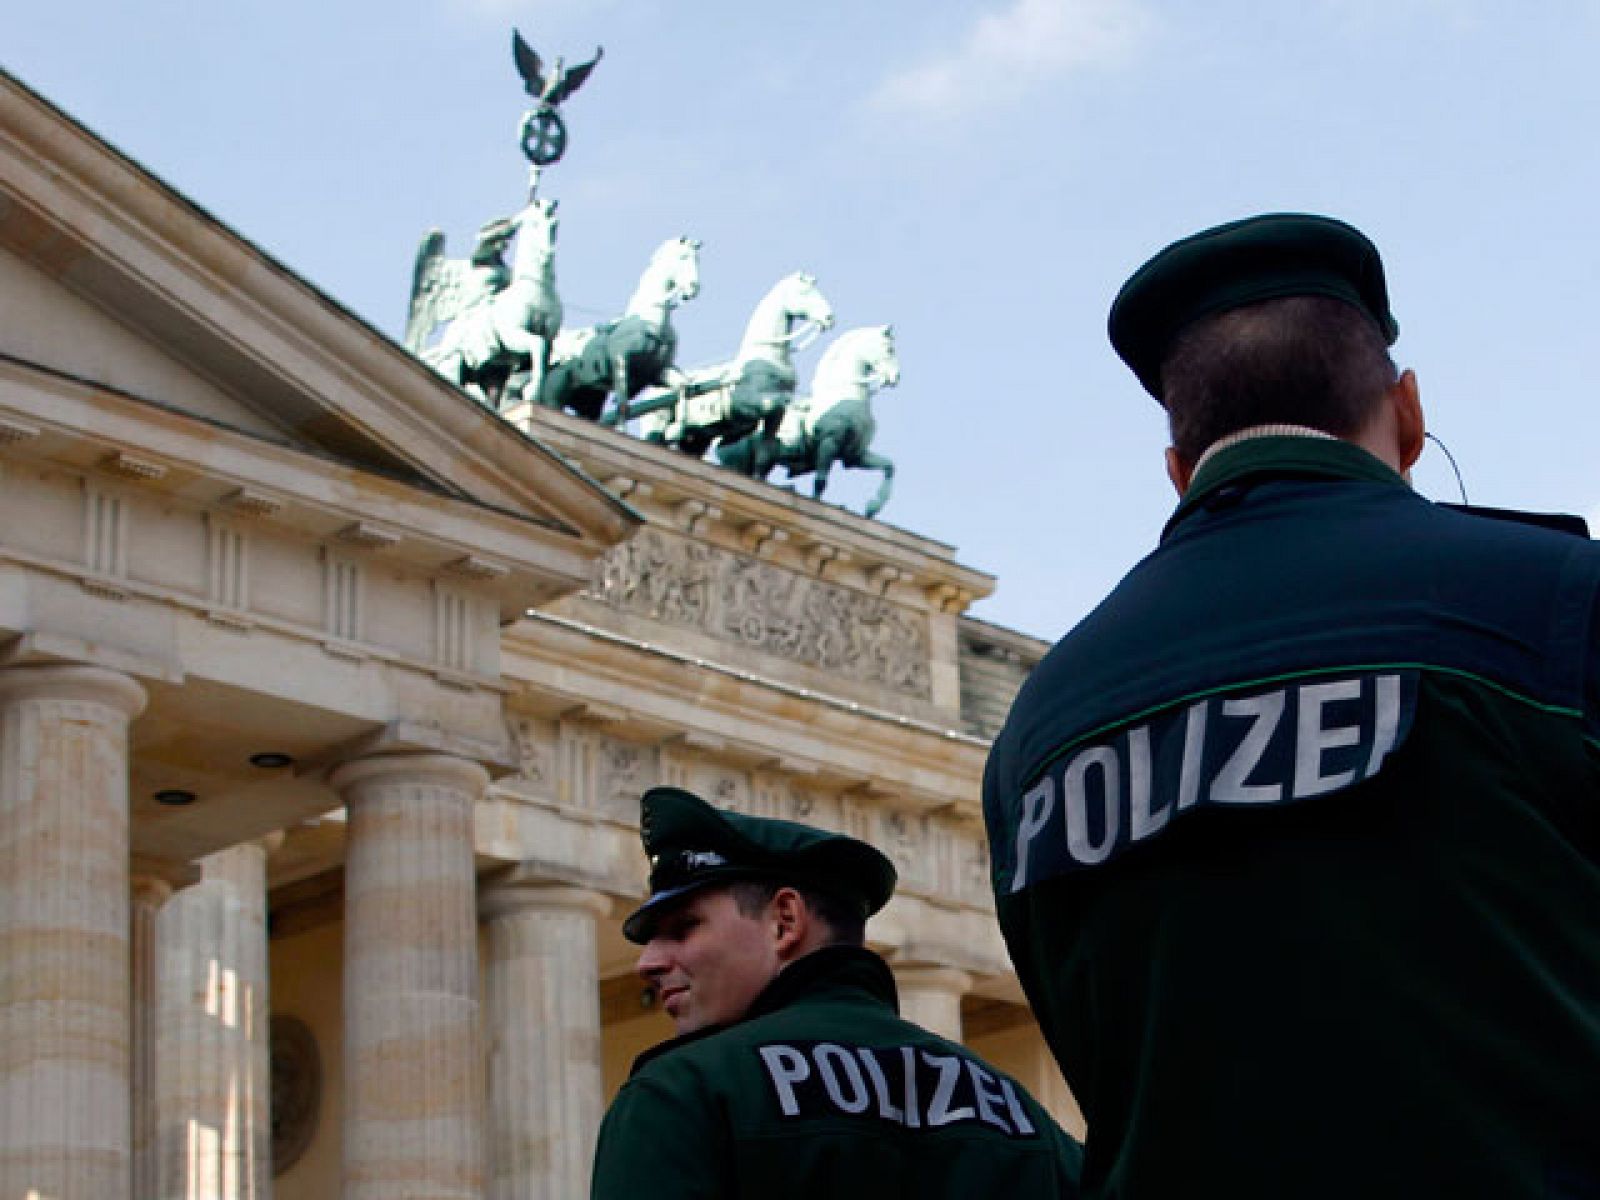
801, 805
899, 839
720, 784
623, 770
535, 751
733, 597
755, 603
657, 579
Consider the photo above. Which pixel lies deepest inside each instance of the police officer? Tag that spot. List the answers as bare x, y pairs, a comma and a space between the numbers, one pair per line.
791, 1075
1296, 837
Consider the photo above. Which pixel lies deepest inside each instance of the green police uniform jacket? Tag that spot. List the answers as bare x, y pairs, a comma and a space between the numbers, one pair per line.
823, 1093
1296, 846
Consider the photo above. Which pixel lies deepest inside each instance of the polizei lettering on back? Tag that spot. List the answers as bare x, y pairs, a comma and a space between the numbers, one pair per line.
910, 1086
1267, 747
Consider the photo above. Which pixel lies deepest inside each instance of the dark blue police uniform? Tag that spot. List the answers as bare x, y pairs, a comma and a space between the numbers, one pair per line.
1296, 846
823, 1092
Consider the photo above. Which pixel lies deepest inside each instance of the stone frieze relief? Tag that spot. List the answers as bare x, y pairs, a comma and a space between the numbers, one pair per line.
754, 603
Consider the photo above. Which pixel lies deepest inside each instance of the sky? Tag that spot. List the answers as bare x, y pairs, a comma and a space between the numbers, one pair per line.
983, 176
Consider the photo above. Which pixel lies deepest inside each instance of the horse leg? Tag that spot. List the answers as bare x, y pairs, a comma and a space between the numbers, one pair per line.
558, 383
538, 363
877, 462
736, 455
471, 383
453, 366
765, 451
827, 453
620, 388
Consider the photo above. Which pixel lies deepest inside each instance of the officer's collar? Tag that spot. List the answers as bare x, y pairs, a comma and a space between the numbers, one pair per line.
1253, 433
853, 967
1281, 456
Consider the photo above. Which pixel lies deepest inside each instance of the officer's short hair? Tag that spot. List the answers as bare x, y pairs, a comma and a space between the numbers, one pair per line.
847, 925
1298, 360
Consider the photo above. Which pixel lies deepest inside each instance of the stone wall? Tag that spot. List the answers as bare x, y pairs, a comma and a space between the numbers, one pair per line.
994, 663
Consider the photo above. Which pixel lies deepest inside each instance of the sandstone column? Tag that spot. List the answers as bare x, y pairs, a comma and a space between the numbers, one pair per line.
543, 1015
65, 997
213, 1062
413, 1068
931, 996
148, 894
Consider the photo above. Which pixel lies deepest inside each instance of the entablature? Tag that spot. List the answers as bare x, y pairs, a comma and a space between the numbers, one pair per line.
138, 448
723, 508
563, 669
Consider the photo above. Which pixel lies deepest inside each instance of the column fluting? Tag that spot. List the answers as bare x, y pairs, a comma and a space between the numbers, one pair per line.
542, 1000
413, 1064
213, 1055
65, 966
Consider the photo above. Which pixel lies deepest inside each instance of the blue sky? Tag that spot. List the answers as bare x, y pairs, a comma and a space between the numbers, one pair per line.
981, 175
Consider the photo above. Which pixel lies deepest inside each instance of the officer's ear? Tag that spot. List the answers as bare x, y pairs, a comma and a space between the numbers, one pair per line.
1411, 427
791, 922
1179, 471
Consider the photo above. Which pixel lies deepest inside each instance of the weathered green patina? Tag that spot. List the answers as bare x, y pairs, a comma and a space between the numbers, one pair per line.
621, 358
543, 135
498, 323
835, 423
748, 396
493, 328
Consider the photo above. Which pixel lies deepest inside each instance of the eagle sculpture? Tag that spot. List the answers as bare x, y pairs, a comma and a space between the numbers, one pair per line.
550, 90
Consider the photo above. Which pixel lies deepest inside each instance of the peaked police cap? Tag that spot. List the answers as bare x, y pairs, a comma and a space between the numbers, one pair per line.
692, 845
1244, 262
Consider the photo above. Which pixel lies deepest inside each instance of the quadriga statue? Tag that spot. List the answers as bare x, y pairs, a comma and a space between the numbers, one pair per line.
746, 397
637, 350
835, 423
498, 321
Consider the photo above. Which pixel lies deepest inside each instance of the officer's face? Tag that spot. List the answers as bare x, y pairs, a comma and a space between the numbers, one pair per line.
708, 961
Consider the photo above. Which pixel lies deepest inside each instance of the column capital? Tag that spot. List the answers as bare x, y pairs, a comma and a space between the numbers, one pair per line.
931, 977
242, 865
175, 874
506, 897
438, 769
270, 843
152, 891
90, 685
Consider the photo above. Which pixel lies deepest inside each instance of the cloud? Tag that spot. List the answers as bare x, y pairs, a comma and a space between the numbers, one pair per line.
1009, 50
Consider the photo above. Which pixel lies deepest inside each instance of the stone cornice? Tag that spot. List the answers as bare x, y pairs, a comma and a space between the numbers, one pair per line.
986, 637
